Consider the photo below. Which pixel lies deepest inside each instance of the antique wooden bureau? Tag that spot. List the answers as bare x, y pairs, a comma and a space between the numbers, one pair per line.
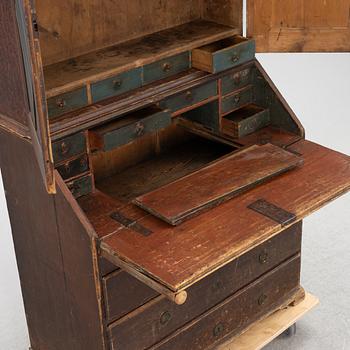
156, 179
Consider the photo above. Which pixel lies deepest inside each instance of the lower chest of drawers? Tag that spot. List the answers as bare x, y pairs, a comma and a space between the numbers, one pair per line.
139, 318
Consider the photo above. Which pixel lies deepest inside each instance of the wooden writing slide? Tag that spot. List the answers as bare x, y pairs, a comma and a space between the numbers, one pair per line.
218, 182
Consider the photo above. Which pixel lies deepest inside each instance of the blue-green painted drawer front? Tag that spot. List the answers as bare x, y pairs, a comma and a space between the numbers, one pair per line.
233, 56
166, 68
67, 102
190, 97
236, 100
116, 85
128, 133
81, 186
235, 81
68, 147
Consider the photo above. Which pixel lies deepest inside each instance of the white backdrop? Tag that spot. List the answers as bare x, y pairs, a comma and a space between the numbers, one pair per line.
317, 86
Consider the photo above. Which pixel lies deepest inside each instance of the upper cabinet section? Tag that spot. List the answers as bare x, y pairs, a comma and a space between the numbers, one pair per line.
300, 25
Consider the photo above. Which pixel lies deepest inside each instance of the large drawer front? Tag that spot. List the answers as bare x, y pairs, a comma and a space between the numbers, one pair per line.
238, 312
160, 317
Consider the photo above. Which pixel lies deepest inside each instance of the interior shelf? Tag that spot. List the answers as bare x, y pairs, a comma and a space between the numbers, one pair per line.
75, 72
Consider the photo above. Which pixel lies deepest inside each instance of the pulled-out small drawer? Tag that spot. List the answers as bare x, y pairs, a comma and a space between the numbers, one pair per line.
237, 100
235, 81
166, 68
74, 167
190, 97
275, 289
67, 102
160, 317
223, 54
116, 85
129, 127
69, 147
245, 121
80, 186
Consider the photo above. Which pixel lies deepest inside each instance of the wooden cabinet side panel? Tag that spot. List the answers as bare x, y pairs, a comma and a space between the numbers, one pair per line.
14, 106
299, 25
54, 256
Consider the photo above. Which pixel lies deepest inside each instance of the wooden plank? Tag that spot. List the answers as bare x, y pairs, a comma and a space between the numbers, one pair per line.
265, 331
299, 25
217, 183
98, 65
182, 255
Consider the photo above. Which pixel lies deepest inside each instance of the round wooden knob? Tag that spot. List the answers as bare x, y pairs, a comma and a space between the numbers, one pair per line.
166, 67
117, 84
235, 58
64, 148
180, 298
237, 99
61, 103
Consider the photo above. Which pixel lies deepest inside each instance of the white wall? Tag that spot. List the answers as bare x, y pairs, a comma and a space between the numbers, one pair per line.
317, 87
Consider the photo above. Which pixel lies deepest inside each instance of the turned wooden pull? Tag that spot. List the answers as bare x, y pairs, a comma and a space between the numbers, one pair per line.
117, 84
61, 103
166, 67
235, 58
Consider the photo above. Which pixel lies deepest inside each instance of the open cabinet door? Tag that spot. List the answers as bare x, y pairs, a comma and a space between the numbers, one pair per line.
38, 121
299, 25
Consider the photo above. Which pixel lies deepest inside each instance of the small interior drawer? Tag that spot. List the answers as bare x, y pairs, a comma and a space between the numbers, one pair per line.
74, 167
237, 100
245, 121
80, 186
160, 318
129, 127
166, 68
223, 54
235, 81
116, 85
67, 102
190, 97
69, 147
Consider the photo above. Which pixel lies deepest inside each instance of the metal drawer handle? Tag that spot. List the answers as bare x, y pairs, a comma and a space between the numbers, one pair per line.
64, 148
237, 99
139, 129
167, 67
218, 329
67, 168
237, 78
235, 58
61, 103
262, 299
117, 84
264, 257
165, 318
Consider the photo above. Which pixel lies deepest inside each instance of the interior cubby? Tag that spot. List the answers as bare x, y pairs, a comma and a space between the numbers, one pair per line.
153, 161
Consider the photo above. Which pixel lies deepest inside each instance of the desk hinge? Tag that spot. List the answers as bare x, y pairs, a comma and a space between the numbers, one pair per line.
273, 212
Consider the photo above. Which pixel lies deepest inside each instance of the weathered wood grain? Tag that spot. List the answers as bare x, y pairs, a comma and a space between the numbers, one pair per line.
180, 256
299, 26
217, 183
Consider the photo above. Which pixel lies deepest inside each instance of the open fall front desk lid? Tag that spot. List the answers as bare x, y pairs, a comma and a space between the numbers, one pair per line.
170, 259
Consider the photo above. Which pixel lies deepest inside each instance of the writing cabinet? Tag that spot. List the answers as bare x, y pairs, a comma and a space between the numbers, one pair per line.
141, 218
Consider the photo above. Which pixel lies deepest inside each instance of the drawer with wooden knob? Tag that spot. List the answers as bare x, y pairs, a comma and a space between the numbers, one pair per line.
116, 85
67, 102
190, 97
160, 317
69, 147
129, 127
236, 100
73, 167
80, 186
166, 68
275, 289
236, 80
223, 54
